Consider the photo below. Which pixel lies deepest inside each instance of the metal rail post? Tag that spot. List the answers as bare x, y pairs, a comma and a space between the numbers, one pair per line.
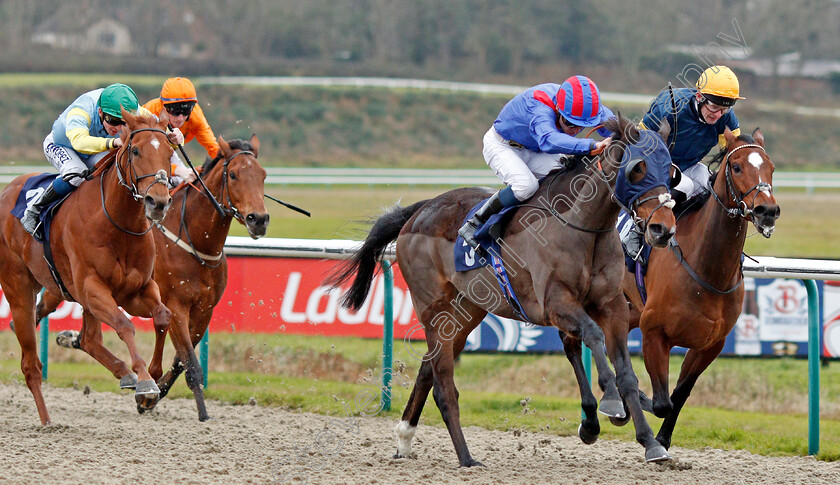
814, 352
202, 354
387, 336
44, 353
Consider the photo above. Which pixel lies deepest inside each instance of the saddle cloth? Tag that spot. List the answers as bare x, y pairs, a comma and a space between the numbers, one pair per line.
33, 188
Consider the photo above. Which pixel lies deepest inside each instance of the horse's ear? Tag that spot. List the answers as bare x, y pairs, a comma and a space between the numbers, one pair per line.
628, 130
163, 117
127, 116
664, 130
255, 144
224, 146
728, 136
758, 136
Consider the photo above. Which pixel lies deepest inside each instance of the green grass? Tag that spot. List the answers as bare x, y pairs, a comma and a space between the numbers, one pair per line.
758, 405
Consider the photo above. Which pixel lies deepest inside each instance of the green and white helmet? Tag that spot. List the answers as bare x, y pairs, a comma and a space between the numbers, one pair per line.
116, 95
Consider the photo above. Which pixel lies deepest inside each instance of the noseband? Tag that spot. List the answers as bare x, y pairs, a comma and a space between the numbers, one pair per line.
741, 208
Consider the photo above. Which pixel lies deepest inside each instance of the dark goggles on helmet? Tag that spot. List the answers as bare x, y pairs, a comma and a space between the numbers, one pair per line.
112, 120
180, 109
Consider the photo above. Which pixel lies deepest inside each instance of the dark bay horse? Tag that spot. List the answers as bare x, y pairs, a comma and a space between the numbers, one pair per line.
565, 263
191, 268
694, 301
103, 251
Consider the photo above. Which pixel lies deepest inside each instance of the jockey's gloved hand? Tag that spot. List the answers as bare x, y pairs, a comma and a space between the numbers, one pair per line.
175, 137
182, 172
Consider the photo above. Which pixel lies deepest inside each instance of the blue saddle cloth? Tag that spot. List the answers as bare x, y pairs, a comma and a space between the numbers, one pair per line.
33, 188
466, 258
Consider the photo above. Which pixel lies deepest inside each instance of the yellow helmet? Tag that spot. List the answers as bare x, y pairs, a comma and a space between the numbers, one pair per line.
719, 85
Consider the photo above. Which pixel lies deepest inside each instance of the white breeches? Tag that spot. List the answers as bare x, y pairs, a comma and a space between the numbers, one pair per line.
519, 168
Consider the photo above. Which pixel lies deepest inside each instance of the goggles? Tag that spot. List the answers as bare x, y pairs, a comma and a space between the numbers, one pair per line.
180, 109
568, 123
112, 120
715, 108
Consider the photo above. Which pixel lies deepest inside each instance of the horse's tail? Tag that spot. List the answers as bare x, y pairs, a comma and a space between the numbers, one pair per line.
363, 263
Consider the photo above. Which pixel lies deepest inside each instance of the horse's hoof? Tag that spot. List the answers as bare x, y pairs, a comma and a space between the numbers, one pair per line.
69, 339
397, 456
471, 463
585, 436
614, 408
147, 394
656, 453
128, 381
619, 421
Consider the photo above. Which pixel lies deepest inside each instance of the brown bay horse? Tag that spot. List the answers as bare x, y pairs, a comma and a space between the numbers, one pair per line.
191, 268
565, 263
694, 301
103, 251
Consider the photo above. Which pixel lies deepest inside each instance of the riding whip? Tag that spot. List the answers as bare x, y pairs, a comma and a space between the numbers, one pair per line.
290, 206
198, 177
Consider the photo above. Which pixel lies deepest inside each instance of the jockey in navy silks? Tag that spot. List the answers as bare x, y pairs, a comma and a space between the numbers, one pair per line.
698, 117
531, 136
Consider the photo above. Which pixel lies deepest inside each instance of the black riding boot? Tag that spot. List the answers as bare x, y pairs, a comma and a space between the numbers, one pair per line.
467, 231
30, 219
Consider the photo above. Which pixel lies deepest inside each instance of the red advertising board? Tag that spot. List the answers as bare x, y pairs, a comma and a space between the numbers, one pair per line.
281, 295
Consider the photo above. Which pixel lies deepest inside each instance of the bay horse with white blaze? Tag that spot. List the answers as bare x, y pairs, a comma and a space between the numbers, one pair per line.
191, 267
102, 249
564, 259
695, 286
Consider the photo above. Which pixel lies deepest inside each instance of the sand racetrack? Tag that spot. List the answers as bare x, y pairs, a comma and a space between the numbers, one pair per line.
100, 438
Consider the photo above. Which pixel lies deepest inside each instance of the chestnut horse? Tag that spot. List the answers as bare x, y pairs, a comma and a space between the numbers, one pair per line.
695, 287
565, 262
191, 268
103, 251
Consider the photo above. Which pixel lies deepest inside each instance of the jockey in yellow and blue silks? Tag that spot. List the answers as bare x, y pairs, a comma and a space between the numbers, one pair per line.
81, 136
531, 136
698, 118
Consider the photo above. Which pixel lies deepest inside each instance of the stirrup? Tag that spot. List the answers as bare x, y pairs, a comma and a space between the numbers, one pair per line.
467, 232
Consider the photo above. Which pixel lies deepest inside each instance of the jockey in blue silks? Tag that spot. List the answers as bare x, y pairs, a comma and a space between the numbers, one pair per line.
698, 117
531, 135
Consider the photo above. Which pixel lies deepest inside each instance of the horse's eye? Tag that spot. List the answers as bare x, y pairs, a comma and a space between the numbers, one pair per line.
638, 168
233, 175
135, 151
736, 169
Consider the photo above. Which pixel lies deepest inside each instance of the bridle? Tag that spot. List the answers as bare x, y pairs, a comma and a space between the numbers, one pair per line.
229, 209
741, 208
130, 182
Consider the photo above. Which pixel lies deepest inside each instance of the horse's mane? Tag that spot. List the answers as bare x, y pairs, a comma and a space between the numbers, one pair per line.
235, 144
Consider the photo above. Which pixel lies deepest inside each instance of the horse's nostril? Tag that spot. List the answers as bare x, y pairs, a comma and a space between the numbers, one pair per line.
760, 210
250, 218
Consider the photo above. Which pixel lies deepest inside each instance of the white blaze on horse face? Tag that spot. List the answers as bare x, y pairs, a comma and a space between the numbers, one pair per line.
755, 160
155, 143
405, 433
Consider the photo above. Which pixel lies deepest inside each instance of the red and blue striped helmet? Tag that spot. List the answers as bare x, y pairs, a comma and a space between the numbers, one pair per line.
579, 101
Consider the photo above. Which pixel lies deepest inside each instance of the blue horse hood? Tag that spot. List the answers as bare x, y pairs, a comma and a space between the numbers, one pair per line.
651, 149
